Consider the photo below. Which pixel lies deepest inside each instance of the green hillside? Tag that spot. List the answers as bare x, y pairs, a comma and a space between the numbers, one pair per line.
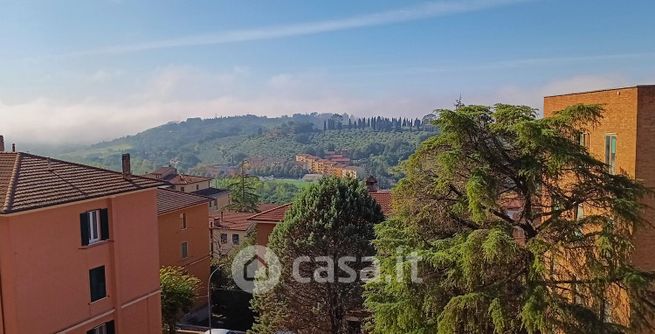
198, 145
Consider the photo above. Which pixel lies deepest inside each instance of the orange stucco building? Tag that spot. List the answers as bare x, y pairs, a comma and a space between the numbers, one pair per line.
623, 140
78, 248
184, 235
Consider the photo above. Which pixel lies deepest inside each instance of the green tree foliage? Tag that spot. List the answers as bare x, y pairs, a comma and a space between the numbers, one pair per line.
197, 145
178, 290
243, 192
333, 218
489, 205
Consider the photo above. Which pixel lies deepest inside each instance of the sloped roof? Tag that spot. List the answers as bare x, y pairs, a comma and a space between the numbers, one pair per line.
276, 214
273, 215
30, 181
238, 221
170, 200
182, 179
383, 197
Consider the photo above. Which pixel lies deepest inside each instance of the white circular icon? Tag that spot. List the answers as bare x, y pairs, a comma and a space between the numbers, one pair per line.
256, 269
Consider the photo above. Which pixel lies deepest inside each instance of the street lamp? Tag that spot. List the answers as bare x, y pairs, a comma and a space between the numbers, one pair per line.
209, 297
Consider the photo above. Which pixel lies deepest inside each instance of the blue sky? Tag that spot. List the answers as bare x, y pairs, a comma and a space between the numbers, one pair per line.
100, 69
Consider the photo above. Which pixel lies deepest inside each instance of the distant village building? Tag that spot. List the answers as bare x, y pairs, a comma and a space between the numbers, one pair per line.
199, 185
183, 235
79, 248
312, 177
333, 164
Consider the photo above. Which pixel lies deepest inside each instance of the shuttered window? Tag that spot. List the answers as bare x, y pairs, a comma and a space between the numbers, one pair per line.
94, 226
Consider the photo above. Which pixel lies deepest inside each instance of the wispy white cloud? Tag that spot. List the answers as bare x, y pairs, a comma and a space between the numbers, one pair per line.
420, 12
395, 69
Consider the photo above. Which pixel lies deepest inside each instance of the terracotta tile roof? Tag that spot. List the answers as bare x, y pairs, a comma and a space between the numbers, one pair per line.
276, 214
170, 174
273, 215
171, 200
29, 182
383, 197
182, 179
238, 221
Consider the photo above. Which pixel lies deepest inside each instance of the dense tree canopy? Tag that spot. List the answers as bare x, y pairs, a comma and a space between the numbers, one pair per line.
519, 228
328, 222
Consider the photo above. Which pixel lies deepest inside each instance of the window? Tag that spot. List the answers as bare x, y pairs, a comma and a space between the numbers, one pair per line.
235, 239
583, 139
106, 328
183, 221
94, 226
182, 189
184, 250
97, 283
223, 238
197, 187
610, 152
579, 212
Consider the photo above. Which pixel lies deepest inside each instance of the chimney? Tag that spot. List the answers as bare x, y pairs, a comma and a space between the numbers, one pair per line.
127, 169
2, 143
371, 184
13, 147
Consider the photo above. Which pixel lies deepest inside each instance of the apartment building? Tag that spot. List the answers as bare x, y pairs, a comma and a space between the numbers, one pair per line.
333, 164
624, 140
199, 185
184, 235
79, 248
230, 229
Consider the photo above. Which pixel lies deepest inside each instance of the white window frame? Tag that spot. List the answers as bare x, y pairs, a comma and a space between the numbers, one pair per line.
95, 228
609, 159
102, 329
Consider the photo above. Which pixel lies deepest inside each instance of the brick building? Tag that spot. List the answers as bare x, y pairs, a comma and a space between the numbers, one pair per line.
624, 140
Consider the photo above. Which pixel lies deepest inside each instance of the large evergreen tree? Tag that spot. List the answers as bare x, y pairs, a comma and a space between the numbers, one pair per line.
519, 228
332, 219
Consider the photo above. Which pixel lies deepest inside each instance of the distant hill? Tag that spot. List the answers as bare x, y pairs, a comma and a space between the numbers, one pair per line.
199, 145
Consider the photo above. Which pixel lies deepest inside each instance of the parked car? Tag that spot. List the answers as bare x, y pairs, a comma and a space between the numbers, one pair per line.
223, 331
